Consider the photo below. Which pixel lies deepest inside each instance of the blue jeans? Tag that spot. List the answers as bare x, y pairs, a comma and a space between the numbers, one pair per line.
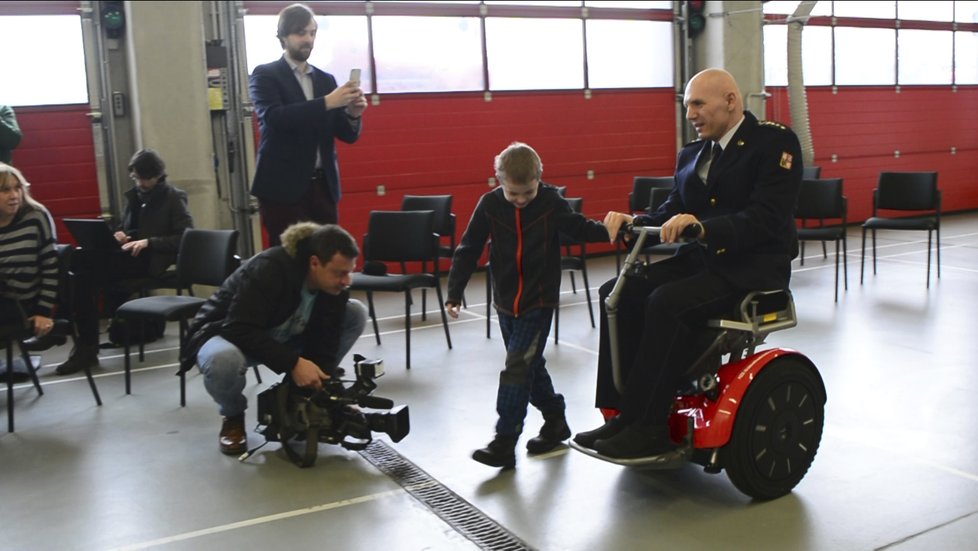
224, 365
525, 379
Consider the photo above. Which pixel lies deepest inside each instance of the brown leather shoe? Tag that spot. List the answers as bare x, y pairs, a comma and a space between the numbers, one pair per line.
234, 439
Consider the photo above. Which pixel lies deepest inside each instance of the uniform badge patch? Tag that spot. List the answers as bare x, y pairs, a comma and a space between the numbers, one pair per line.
786, 159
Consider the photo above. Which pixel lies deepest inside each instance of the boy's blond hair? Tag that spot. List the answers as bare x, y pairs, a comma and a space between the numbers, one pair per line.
518, 164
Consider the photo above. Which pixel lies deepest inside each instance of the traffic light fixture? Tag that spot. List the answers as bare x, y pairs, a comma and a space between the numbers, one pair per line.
695, 18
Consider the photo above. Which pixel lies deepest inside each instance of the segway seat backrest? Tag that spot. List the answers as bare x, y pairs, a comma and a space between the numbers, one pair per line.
761, 313
757, 315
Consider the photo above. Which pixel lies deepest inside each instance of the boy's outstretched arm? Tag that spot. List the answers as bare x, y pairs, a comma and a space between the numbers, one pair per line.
466, 258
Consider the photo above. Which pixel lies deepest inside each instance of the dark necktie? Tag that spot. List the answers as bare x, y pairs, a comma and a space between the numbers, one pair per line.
714, 158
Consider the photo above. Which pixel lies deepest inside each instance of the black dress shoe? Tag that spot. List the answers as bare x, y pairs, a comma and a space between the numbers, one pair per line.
634, 441
607, 430
234, 438
83, 355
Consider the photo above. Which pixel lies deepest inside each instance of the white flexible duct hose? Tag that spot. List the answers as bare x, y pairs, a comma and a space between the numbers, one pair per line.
797, 99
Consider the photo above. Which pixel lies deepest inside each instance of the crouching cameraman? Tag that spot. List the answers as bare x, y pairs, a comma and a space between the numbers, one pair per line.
287, 308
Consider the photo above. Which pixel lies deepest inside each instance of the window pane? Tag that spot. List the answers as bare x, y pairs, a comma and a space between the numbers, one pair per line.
816, 55
533, 3
966, 12
966, 58
925, 56
54, 71
776, 55
865, 56
648, 45
534, 54
782, 7
428, 54
875, 10
634, 4
341, 45
926, 11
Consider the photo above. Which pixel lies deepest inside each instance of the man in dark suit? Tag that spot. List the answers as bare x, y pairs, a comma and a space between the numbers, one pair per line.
301, 111
737, 186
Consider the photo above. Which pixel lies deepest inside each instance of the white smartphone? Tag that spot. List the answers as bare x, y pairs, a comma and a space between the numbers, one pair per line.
355, 76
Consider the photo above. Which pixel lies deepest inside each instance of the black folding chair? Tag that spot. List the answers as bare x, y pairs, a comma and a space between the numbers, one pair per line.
400, 237
905, 191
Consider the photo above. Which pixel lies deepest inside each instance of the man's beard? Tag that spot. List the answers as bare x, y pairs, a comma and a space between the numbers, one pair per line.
299, 54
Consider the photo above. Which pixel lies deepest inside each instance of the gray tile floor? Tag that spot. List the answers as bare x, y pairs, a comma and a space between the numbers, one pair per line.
897, 467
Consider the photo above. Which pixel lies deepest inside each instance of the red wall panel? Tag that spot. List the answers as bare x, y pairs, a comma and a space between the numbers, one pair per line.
57, 156
857, 133
446, 143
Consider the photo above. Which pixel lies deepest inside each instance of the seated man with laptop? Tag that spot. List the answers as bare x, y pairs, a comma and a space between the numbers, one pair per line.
155, 217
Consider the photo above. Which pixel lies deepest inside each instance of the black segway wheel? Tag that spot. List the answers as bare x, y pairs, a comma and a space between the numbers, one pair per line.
778, 429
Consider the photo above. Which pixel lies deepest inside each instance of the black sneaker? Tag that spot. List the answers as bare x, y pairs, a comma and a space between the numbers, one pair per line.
552, 434
501, 452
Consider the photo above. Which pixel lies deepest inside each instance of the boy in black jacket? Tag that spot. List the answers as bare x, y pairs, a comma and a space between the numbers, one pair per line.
523, 219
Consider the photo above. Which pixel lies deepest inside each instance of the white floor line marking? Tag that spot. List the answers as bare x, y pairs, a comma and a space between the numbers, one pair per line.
909, 457
569, 344
259, 520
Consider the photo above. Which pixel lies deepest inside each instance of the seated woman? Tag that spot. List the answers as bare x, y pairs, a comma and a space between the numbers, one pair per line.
28, 260
153, 223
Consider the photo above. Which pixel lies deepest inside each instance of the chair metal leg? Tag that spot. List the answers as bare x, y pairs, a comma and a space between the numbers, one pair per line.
836, 270
127, 361
801, 257
183, 377
373, 316
26, 356
91, 385
929, 238
874, 252
444, 317
587, 292
573, 283
142, 340
407, 326
938, 251
862, 259
257, 374
10, 385
845, 262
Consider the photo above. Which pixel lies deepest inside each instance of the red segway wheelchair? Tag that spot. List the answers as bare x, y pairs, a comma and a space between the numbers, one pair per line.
758, 415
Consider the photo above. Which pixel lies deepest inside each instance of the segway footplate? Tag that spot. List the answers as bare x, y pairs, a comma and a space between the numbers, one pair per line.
665, 461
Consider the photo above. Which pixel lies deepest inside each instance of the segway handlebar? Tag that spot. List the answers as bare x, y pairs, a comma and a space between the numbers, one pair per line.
611, 303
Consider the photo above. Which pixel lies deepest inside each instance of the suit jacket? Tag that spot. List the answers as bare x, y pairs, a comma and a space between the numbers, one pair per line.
747, 209
292, 129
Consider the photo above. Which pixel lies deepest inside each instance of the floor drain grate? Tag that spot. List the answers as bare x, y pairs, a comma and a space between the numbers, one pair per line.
458, 513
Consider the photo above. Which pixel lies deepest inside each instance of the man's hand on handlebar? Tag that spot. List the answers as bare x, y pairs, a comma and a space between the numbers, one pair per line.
614, 221
673, 229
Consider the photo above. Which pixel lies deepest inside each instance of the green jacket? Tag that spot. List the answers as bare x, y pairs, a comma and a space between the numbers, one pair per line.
9, 133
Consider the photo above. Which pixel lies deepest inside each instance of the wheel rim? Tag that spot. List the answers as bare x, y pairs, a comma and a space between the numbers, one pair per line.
784, 432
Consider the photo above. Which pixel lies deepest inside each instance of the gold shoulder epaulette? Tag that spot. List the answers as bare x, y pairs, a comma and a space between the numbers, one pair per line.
774, 124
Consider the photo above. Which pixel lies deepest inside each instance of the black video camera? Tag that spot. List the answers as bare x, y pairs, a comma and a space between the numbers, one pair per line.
331, 415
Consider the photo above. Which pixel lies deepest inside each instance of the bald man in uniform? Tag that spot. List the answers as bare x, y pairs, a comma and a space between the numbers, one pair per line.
737, 185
